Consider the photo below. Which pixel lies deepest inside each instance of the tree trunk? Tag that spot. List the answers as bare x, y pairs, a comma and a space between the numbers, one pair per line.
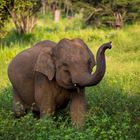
56, 15
118, 20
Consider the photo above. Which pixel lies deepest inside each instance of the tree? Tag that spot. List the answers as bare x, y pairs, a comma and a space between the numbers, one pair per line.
23, 13
44, 6
109, 12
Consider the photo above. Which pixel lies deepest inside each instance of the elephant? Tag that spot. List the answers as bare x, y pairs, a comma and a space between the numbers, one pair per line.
50, 76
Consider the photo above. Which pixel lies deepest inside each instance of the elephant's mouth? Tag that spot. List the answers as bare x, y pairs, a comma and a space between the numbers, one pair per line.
69, 85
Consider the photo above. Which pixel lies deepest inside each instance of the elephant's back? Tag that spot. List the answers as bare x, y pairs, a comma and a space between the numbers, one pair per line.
45, 43
21, 74
24, 62
21, 71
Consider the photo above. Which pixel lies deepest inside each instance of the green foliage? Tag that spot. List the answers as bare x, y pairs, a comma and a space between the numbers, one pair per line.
22, 13
103, 11
3, 17
113, 105
25, 6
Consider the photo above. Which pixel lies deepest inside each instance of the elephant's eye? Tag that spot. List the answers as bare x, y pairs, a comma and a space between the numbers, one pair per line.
90, 64
65, 64
89, 61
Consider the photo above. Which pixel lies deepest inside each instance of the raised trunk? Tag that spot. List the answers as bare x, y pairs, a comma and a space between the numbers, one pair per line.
94, 79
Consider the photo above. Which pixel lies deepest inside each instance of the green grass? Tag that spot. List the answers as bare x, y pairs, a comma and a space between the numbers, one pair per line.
113, 105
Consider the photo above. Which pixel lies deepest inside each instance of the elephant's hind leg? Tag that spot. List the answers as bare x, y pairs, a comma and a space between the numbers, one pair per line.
19, 107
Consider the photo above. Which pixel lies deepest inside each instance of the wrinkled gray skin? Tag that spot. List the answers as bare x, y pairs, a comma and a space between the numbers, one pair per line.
46, 77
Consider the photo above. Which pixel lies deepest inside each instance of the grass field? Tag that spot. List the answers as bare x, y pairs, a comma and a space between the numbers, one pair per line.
113, 105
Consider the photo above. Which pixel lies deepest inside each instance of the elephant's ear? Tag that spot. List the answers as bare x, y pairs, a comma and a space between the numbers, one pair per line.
45, 64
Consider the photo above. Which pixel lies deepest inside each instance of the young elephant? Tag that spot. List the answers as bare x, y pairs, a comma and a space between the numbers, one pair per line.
46, 77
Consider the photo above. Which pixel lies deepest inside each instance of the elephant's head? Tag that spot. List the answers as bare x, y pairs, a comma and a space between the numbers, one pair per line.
71, 63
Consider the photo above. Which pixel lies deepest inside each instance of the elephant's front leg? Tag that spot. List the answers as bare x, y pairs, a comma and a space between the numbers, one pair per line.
44, 96
78, 109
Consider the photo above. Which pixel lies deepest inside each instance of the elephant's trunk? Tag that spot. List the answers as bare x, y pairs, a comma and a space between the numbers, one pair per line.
94, 79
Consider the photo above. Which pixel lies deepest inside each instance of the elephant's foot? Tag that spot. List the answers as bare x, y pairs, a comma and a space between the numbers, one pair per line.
19, 107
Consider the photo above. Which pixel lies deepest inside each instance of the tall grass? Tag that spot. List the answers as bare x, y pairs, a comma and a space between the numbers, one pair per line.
113, 105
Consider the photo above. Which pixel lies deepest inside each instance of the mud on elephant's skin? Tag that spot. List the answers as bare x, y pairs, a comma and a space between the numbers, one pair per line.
49, 75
